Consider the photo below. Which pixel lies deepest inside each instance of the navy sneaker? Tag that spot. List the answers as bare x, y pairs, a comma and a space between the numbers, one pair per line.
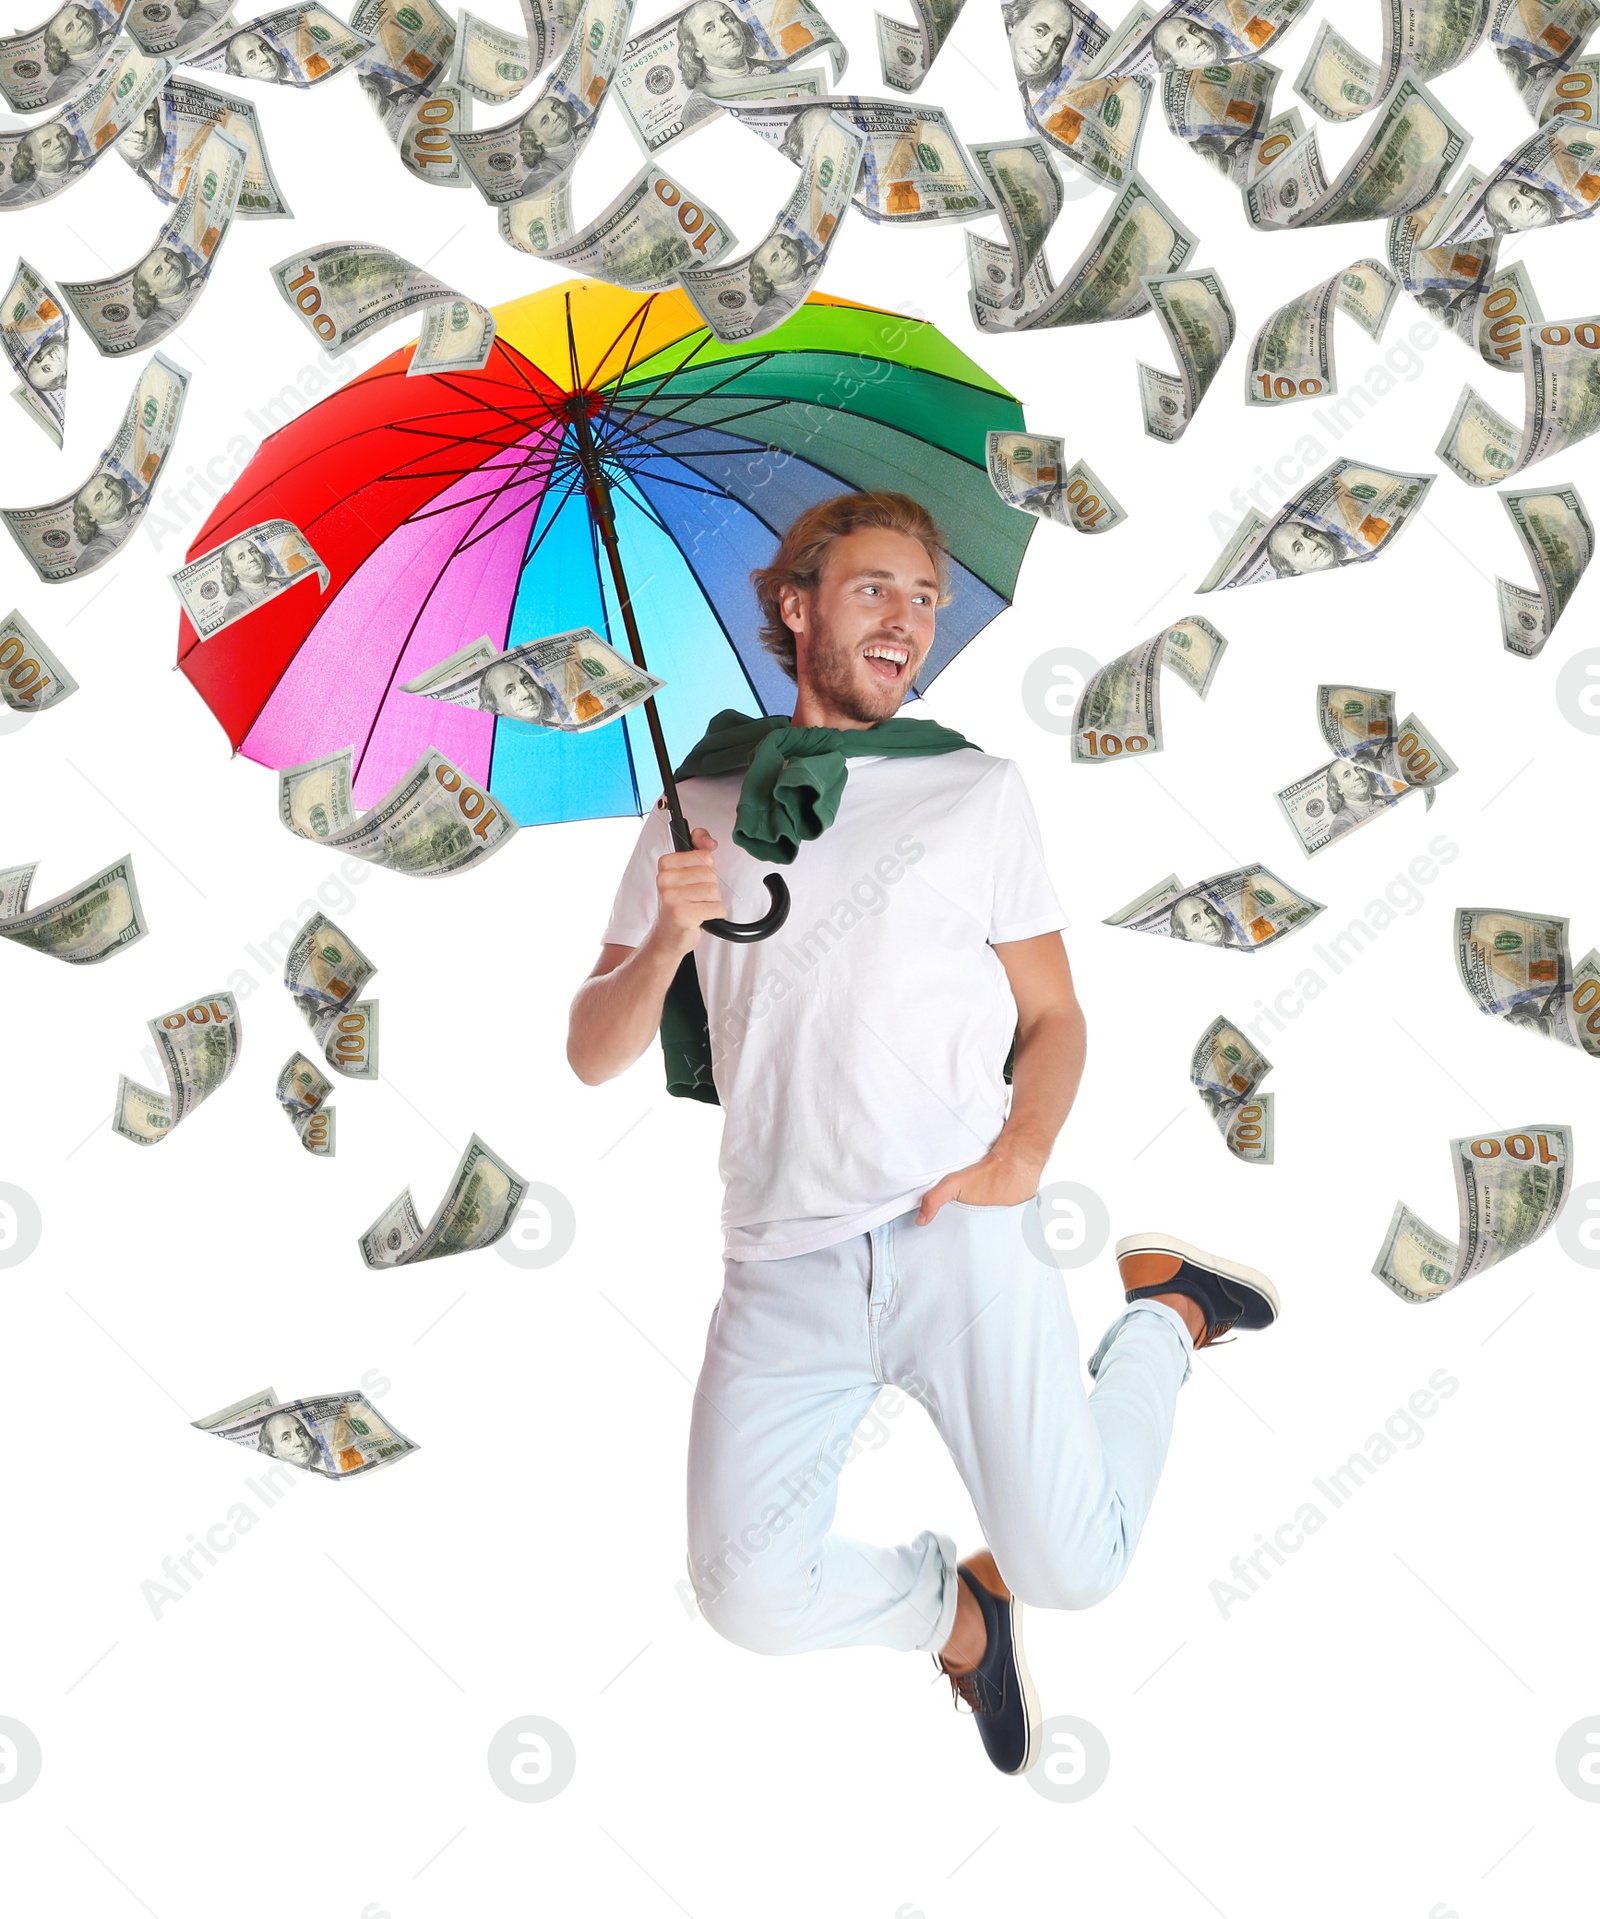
1230, 1296
998, 1689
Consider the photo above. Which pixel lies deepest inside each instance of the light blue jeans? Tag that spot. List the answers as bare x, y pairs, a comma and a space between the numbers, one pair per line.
964, 1316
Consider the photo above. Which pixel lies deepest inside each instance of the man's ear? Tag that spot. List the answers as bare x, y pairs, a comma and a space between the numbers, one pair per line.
792, 607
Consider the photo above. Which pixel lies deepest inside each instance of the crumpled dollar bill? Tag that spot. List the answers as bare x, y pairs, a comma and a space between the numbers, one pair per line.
1025, 187
1552, 177
1348, 514
739, 299
1223, 114
646, 237
89, 922
1119, 710
333, 1435
1518, 967
433, 821
324, 971
1073, 90
1226, 1069
31, 677
1538, 41
302, 1091
1378, 761
1510, 1189
907, 51
1245, 909
1291, 357
529, 154
33, 330
571, 681
66, 538
480, 1204
244, 572
347, 289
1409, 153
1028, 472
291, 47
1428, 36
1139, 239
44, 65
1554, 526
1204, 33
126, 312
198, 1047
1197, 317
1561, 406
684, 69
173, 26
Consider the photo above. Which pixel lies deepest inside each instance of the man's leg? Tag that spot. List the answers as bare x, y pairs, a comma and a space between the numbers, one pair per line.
1062, 1479
789, 1374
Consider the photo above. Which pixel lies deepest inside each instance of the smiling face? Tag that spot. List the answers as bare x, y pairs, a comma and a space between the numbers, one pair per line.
163, 275
285, 1438
1512, 207
104, 499
862, 633
713, 31
1298, 548
48, 368
1040, 39
1178, 44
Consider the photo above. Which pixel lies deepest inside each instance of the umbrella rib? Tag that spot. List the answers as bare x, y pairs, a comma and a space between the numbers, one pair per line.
740, 369
640, 317
670, 374
712, 426
478, 535
519, 477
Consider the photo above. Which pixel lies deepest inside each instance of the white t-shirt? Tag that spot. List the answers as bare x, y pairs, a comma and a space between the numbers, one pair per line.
858, 1053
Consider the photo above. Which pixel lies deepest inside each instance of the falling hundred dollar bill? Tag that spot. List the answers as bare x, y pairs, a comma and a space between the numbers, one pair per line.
1227, 1070
91, 921
1561, 406
1119, 710
1348, 514
571, 681
291, 47
333, 1435
302, 1090
324, 971
1510, 1189
126, 312
907, 51
739, 299
1537, 42
66, 538
1558, 536
1246, 909
347, 289
31, 677
481, 1202
233, 579
682, 70
198, 1047
163, 144
433, 821
1378, 761
38, 162
1026, 470
643, 240
1197, 318
1518, 967
33, 330
1291, 357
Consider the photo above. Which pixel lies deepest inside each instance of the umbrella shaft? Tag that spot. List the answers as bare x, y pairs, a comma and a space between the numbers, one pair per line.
599, 492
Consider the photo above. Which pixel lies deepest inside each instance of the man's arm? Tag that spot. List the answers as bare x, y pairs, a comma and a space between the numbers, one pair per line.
1052, 1040
616, 1012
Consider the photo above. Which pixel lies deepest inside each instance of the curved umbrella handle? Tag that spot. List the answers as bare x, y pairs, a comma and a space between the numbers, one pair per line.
741, 932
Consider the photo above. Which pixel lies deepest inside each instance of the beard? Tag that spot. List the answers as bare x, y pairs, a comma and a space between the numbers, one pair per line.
832, 675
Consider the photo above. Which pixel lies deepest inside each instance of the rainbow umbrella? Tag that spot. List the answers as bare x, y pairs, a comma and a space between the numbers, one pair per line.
503, 502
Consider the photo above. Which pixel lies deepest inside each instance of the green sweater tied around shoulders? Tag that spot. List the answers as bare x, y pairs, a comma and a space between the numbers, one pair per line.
794, 779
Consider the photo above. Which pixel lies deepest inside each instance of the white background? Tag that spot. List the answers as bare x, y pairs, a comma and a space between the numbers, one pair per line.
1373, 1730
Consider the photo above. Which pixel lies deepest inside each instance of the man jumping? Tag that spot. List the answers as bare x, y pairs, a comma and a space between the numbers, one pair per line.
880, 1188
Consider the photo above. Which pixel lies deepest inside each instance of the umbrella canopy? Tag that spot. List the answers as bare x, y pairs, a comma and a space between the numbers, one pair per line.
452, 505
